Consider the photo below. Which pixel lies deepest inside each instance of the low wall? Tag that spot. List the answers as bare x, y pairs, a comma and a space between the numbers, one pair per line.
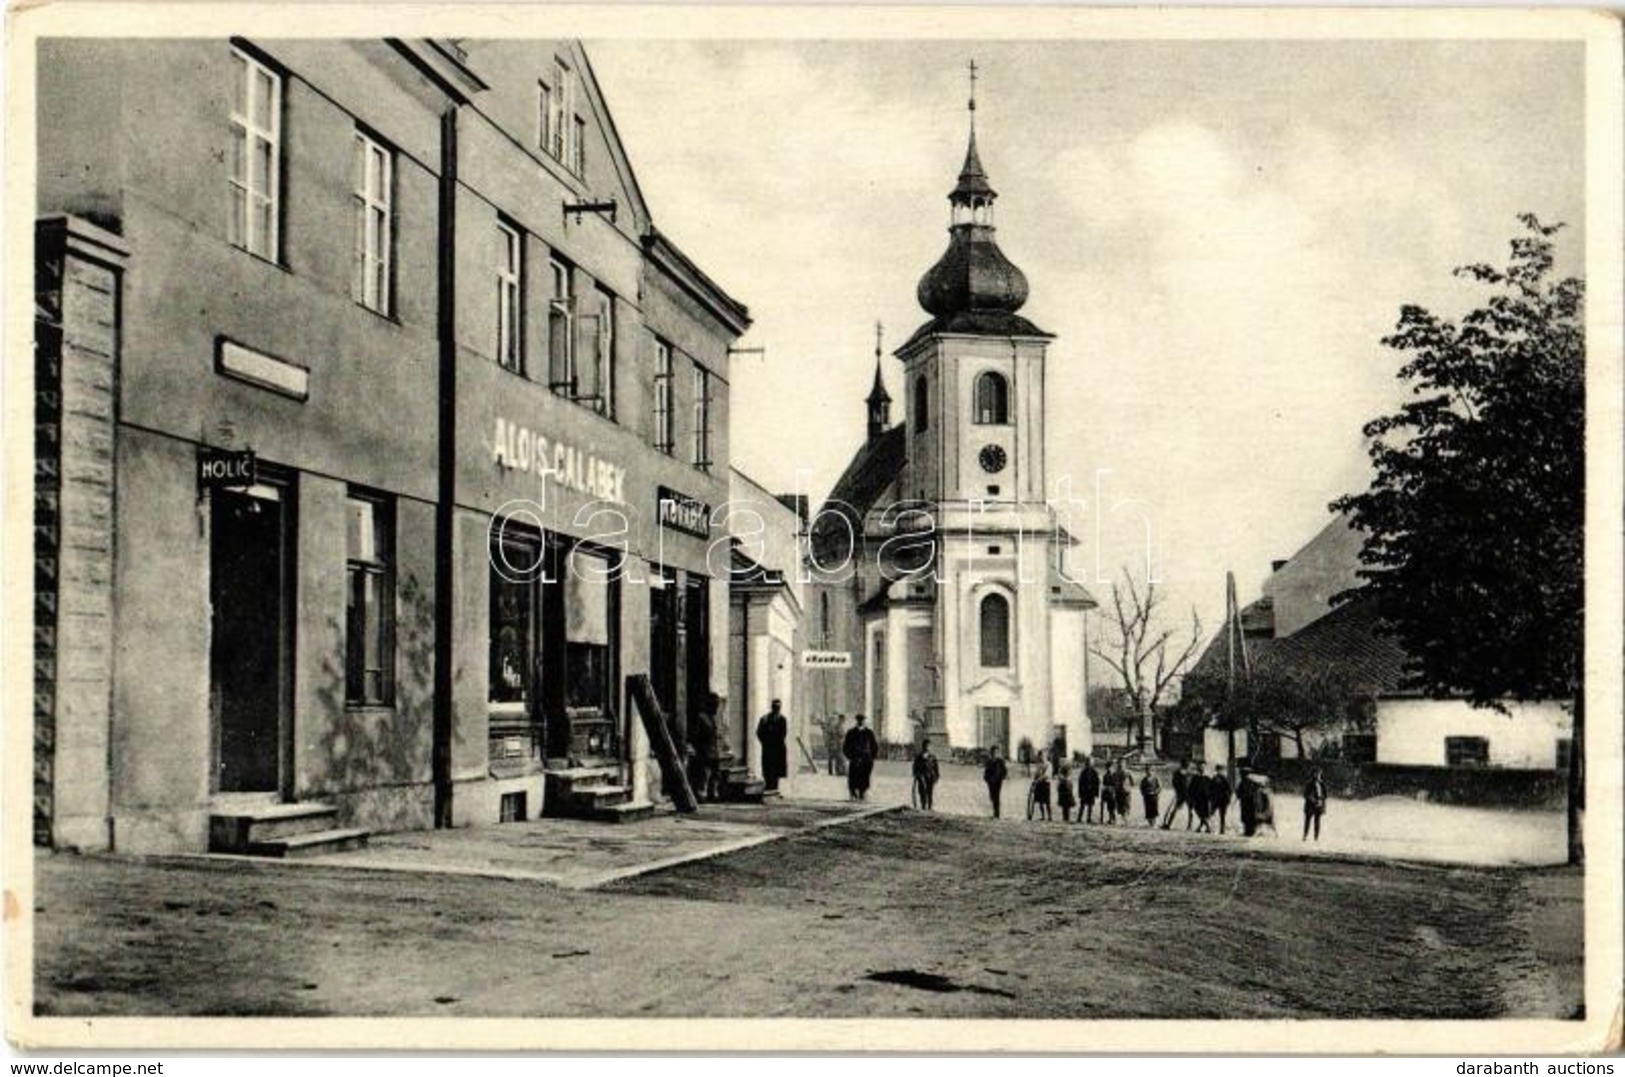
1474, 786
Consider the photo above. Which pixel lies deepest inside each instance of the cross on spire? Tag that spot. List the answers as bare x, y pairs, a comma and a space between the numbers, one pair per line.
879, 329
972, 105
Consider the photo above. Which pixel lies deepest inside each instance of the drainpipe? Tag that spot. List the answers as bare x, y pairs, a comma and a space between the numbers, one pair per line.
446, 495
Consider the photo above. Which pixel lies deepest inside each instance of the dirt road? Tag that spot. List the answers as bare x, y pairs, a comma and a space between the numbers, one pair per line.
900, 914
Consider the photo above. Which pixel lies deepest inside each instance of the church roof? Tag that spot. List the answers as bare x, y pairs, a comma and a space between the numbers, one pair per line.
874, 467
1065, 591
978, 323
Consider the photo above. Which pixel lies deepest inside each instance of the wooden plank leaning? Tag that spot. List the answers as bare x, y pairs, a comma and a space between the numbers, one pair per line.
654, 723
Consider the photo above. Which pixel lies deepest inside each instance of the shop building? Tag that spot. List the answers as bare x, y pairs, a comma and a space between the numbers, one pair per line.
379, 428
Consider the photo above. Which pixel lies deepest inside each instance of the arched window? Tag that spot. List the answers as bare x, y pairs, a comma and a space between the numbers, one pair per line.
922, 405
992, 398
995, 620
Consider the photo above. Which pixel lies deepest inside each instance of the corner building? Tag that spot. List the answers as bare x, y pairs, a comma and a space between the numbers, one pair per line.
939, 562
363, 376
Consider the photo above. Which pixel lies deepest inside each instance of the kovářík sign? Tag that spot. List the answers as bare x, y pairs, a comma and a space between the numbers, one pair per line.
683, 513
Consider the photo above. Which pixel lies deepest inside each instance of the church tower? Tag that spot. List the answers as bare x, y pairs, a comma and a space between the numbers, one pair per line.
958, 618
1008, 626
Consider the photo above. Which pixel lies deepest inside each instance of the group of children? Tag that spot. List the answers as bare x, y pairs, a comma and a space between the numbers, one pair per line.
1204, 798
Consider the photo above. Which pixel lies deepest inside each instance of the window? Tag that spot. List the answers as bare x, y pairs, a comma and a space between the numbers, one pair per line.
578, 147
702, 418
256, 156
594, 367
374, 233
560, 101
544, 116
992, 399
370, 628
995, 625
514, 622
1565, 750
1360, 747
1466, 751
510, 281
561, 367
663, 416
922, 408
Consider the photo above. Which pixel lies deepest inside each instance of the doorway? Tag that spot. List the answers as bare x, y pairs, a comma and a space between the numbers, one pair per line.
250, 594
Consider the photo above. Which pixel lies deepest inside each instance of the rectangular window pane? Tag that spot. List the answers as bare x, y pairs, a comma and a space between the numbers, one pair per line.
263, 99
254, 156
512, 625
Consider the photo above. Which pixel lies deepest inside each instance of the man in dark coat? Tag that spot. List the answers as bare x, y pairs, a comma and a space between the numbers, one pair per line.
1247, 802
1197, 791
1182, 783
1314, 803
773, 729
702, 748
860, 749
1088, 791
994, 772
1218, 793
926, 774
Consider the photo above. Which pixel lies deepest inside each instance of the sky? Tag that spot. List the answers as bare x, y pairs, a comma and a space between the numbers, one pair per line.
1218, 233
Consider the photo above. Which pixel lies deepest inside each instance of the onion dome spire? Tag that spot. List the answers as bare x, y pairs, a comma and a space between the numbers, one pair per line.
973, 276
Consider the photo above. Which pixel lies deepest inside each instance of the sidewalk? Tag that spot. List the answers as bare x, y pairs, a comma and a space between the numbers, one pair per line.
578, 855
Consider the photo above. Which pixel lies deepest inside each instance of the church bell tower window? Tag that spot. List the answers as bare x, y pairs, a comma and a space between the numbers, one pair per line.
992, 399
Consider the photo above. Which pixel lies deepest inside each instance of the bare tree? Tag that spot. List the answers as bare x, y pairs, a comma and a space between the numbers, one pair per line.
1143, 653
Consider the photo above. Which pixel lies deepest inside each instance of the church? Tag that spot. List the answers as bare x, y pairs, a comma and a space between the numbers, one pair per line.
937, 564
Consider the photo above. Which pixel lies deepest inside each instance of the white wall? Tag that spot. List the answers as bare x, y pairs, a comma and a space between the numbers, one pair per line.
1412, 731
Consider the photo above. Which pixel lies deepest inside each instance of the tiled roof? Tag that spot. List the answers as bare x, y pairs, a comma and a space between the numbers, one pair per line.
874, 467
1348, 641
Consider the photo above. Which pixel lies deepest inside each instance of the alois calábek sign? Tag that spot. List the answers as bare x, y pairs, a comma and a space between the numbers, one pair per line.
683, 513
226, 467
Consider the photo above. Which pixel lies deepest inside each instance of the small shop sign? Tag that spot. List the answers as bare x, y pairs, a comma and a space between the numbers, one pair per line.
226, 467
683, 513
826, 659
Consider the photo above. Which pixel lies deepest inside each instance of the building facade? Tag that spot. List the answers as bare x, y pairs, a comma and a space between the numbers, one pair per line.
381, 426
1295, 631
938, 561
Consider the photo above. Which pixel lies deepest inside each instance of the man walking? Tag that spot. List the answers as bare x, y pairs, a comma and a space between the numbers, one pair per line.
926, 773
994, 772
773, 730
1182, 783
1088, 790
1198, 791
1218, 793
1314, 803
860, 749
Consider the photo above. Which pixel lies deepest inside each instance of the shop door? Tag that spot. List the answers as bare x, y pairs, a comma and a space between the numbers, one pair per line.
248, 590
663, 641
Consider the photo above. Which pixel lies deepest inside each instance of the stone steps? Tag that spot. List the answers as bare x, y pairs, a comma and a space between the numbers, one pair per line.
281, 830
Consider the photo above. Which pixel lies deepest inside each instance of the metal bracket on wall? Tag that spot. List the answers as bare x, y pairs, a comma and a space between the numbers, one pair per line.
576, 209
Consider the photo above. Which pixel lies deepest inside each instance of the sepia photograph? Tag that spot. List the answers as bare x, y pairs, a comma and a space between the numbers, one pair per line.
903, 522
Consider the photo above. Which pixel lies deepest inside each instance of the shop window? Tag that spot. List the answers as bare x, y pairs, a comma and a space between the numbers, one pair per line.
510, 269
1360, 747
370, 628
374, 227
664, 440
256, 156
995, 631
992, 399
1466, 751
922, 406
702, 418
514, 568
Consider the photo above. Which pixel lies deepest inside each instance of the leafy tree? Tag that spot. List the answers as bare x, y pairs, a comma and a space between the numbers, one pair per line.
1474, 521
1290, 701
